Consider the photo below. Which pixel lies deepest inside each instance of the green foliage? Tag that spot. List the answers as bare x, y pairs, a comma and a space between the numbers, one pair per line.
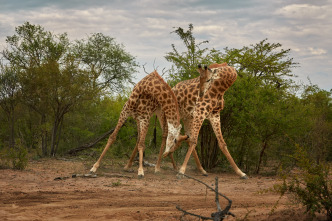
107, 62
55, 79
309, 182
117, 183
261, 107
185, 63
14, 157
263, 60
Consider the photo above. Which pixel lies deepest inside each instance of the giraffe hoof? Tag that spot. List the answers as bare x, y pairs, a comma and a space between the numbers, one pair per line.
205, 174
245, 177
93, 170
140, 176
180, 176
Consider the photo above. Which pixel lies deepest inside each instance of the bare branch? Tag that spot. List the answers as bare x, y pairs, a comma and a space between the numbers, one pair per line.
220, 214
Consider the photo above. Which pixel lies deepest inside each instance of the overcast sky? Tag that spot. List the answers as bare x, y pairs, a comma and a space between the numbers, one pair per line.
144, 27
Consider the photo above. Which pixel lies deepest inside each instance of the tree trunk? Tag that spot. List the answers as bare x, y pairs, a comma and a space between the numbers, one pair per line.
53, 137
12, 127
264, 146
44, 135
58, 138
209, 147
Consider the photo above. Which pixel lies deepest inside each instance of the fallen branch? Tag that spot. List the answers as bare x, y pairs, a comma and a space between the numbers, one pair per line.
91, 175
91, 144
220, 214
88, 175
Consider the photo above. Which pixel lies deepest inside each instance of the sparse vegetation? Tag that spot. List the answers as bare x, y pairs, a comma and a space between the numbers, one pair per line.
309, 182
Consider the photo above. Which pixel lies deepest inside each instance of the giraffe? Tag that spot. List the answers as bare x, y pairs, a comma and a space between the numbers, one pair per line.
151, 95
199, 99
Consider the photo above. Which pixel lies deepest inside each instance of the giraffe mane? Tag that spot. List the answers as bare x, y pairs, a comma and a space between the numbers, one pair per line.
169, 89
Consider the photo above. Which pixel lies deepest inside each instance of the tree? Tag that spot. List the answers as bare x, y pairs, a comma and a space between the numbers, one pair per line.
32, 50
9, 97
264, 60
255, 106
318, 136
57, 76
108, 64
259, 106
184, 64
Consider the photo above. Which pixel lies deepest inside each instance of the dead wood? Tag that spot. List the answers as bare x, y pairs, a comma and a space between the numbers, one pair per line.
91, 144
220, 214
91, 175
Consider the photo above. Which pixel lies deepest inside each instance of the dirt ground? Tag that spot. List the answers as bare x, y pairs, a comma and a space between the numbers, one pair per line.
35, 194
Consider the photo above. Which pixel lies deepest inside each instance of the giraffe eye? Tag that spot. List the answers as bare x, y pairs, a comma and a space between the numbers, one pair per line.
175, 141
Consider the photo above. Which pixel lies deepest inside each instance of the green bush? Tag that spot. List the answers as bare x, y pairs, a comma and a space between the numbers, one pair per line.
309, 182
15, 158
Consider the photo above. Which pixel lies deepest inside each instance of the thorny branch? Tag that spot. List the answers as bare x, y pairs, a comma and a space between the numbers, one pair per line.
220, 214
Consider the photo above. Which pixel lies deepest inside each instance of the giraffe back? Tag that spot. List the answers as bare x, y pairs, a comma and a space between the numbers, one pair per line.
154, 87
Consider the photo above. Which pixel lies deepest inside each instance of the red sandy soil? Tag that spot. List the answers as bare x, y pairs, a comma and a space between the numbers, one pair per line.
33, 194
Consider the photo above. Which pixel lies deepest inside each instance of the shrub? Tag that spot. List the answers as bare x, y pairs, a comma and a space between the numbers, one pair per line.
15, 158
310, 183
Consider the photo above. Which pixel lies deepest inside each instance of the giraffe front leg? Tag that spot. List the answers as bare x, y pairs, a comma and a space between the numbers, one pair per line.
192, 143
123, 116
133, 154
198, 163
132, 157
163, 144
110, 141
182, 170
215, 122
140, 174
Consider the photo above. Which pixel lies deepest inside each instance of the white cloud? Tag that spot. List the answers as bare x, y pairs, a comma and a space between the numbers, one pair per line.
317, 51
144, 26
304, 11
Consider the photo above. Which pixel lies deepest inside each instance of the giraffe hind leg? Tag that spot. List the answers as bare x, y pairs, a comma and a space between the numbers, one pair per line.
141, 145
133, 154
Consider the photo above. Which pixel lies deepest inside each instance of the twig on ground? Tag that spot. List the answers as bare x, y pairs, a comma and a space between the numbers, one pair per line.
220, 214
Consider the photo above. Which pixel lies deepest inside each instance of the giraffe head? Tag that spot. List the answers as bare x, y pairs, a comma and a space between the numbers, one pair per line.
172, 137
223, 76
204, 73
219, 76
